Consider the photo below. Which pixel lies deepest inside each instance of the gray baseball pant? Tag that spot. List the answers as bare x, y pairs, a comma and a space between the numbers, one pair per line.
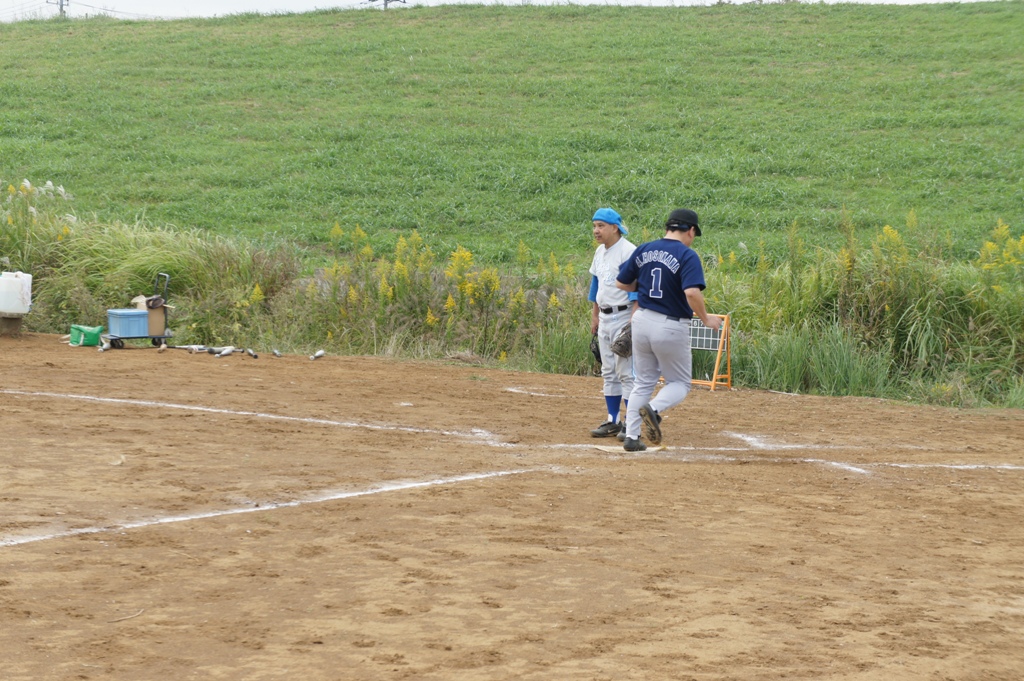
661, 347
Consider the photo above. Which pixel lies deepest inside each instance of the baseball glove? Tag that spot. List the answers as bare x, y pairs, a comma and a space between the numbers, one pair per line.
622, 344
595, 348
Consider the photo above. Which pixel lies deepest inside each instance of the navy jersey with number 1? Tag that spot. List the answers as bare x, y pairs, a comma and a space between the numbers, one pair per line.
663, 270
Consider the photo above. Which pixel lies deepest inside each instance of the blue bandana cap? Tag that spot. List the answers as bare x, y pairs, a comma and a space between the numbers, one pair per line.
612, 218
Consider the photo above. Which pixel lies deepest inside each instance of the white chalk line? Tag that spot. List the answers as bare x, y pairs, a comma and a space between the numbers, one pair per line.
840, 465
480, 435
679, 448
317, 499
670, 453
756, 442
956, 466
484, 437
476, 433
698, 455
859, 468
524, 391
753, 442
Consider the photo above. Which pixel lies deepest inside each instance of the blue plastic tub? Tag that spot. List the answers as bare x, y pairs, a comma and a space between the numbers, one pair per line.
128, 323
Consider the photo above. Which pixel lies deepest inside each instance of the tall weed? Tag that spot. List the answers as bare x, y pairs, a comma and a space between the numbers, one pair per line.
890, 319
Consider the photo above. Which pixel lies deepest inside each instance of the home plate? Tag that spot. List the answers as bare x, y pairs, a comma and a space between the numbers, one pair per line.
620, 450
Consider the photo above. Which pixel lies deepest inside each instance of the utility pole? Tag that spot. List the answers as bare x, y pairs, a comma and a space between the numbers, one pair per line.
60, 4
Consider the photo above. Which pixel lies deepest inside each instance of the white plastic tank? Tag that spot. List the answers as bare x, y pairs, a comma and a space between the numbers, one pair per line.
15, 293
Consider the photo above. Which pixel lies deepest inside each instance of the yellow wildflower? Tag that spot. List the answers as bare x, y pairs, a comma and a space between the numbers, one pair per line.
553, 265
459, 263
517, 300
891, 236
911, 220
449, 305
989, 255
1002, 231
490, 281
257, 295
553, 301
425, 258
432, 320
415, 241
845, 259
386, 290
522, 255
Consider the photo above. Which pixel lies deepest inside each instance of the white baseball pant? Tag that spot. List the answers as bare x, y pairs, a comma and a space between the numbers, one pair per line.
616, 371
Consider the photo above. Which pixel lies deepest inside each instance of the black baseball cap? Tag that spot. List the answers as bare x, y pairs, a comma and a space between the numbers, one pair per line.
683, 217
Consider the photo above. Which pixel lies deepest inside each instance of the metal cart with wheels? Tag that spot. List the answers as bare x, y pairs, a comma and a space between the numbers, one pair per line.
129, 324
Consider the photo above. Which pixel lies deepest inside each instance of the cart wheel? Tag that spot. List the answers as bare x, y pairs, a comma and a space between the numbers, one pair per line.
117, 343
157, 342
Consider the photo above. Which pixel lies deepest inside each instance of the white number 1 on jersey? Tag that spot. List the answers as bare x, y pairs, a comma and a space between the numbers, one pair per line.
655, 283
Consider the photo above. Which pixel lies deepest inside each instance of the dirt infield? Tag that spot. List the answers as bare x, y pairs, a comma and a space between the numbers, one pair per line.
176, 516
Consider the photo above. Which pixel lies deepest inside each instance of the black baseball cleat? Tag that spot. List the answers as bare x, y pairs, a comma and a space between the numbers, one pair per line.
631, 445
652, 421
622, 431
606, 429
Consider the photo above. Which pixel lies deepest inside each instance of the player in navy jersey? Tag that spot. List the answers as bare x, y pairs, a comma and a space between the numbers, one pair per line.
669, 279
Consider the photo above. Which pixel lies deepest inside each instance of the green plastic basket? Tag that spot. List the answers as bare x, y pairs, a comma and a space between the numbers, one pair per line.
85, 335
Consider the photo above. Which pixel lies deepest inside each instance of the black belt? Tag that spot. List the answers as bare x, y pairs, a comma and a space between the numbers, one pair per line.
674, 319
671, 319
616, 308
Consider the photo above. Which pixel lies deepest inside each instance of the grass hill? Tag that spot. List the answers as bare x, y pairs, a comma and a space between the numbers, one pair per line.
482, 126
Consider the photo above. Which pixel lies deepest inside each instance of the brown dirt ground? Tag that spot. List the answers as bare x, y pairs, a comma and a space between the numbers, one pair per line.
776, 536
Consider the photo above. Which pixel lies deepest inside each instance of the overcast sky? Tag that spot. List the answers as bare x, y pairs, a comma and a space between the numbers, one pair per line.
11, 10
20, 9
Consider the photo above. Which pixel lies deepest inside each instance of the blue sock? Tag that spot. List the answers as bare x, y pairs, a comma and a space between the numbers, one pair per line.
613, 402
